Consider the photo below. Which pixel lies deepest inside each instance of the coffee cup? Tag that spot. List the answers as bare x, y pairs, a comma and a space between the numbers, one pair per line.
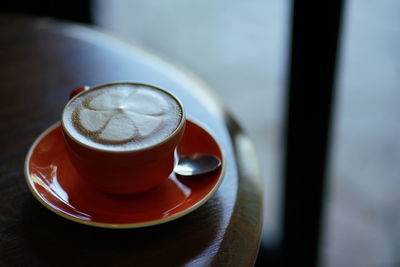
122, 137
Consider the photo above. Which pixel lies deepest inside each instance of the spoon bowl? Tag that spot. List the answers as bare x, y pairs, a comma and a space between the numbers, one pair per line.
197, 164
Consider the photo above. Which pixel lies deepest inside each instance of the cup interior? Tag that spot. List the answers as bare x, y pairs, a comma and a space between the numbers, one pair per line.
71, 131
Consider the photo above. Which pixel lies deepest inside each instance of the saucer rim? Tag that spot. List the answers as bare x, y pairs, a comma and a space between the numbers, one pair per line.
175, 216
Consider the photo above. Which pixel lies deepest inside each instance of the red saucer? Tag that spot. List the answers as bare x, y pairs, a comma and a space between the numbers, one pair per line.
57, 185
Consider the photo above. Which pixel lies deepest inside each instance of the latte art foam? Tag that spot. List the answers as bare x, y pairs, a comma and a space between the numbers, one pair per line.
122, 117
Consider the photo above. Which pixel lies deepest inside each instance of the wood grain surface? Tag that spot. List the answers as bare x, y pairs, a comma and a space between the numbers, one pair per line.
41, 61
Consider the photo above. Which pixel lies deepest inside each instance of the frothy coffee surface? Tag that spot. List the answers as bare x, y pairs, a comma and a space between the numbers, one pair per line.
122, 117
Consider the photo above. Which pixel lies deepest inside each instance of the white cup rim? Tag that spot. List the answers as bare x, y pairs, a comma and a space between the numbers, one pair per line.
146, 148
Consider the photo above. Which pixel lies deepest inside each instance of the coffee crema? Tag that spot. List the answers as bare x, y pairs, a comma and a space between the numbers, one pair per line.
122, 117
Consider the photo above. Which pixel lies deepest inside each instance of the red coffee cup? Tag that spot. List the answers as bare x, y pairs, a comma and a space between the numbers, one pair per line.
128, 171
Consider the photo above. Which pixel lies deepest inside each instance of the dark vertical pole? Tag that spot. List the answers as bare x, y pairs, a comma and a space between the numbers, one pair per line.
315, 32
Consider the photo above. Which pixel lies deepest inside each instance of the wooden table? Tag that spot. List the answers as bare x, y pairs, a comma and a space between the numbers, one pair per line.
41, 60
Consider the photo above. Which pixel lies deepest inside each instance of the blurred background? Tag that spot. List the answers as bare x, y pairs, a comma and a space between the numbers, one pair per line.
241, 49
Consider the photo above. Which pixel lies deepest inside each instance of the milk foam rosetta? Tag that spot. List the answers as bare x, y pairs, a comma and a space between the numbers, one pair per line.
122, 117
